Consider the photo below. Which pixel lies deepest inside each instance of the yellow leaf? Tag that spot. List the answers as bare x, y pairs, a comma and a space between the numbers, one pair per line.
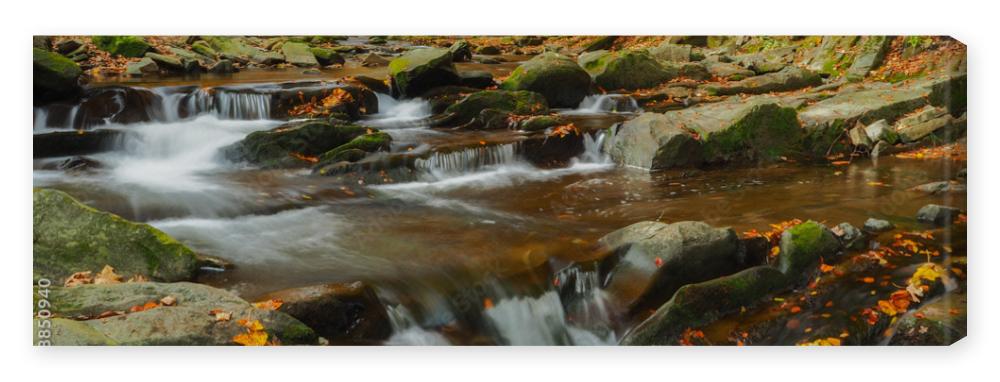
253, 338
107, 276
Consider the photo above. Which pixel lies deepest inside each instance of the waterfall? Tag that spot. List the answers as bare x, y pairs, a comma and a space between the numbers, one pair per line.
539, 321
467, 160
405, 330
606, 103
592, 149
395, 114
232, 105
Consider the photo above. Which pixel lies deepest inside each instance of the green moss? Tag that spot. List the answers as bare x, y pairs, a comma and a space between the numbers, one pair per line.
295, 333
516, 102
560, 80
765, 133
630, 70
803, 246
128, 46
377, 141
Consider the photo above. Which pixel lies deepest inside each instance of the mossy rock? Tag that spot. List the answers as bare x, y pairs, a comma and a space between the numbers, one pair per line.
367, 143
541, 122
299, 54
753, 130
560, 80
629, 70
803, 246
71, 237
420, 70
65, 332
202, 47
461, 51
127, 46
327, 57
54, 77
514, 102
288, 144
187, 322
697, 305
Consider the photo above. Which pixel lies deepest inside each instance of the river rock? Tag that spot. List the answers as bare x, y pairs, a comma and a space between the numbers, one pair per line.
652, 141
67, 332
513, 102
939, 188
127, 46
65, 47
347, 313
937, 214
145, 66
367, 143
374, 60
488, 50
327, 57
940, 323
71, 237
203, 48
696, 305
187, 322
561, 81
223, 66
601, 43
299, 54
789, 78
461, 51
479, 79
728, 71
629, 70
754, 129
166, 63
79, 163
850, 236
872, 53
926, 121
288, 145
877, 225
419, 70
54, 77
881, 131
651, 260
541, 122
671, 52
805, 245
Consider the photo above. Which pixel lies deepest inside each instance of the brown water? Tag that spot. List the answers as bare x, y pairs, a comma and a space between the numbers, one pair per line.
461, 233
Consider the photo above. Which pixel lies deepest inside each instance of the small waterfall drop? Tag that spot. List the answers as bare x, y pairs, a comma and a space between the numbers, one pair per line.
606, 103
467, 160
405, 330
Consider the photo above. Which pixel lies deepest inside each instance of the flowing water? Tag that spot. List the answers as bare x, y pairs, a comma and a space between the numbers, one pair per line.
460, 254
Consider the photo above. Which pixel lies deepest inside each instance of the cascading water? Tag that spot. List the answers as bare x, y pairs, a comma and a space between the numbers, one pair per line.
606, 103
405, 330
441, 165
539, 321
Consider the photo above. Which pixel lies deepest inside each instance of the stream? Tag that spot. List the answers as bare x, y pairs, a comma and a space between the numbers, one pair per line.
457, 254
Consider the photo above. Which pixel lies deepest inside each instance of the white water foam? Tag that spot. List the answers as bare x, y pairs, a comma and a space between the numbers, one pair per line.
606, 103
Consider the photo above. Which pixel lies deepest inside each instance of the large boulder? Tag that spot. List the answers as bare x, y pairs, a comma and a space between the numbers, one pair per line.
190, 320
629, 70
294, 144
128, 46
652, 260
513, 102
342, 313
559, 79
746, 130
54, 77
299, 54
789, 78
804, 246
652, 141
71, 237
697, 305
419, 70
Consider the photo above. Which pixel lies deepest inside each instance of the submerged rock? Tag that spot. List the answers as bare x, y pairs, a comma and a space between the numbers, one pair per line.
341, 313
652, 260
362, 144
942, 187
937, 214
696, 305
877, 225
187, 322
420, 70
560, 80
292, 144
54, 77
654, 142
71, 237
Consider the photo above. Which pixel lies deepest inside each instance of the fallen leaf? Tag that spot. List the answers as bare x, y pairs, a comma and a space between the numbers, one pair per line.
107, 276
272, 304
79, 278
168, 301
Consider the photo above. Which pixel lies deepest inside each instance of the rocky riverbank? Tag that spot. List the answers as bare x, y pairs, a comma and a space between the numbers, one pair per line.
673, 107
